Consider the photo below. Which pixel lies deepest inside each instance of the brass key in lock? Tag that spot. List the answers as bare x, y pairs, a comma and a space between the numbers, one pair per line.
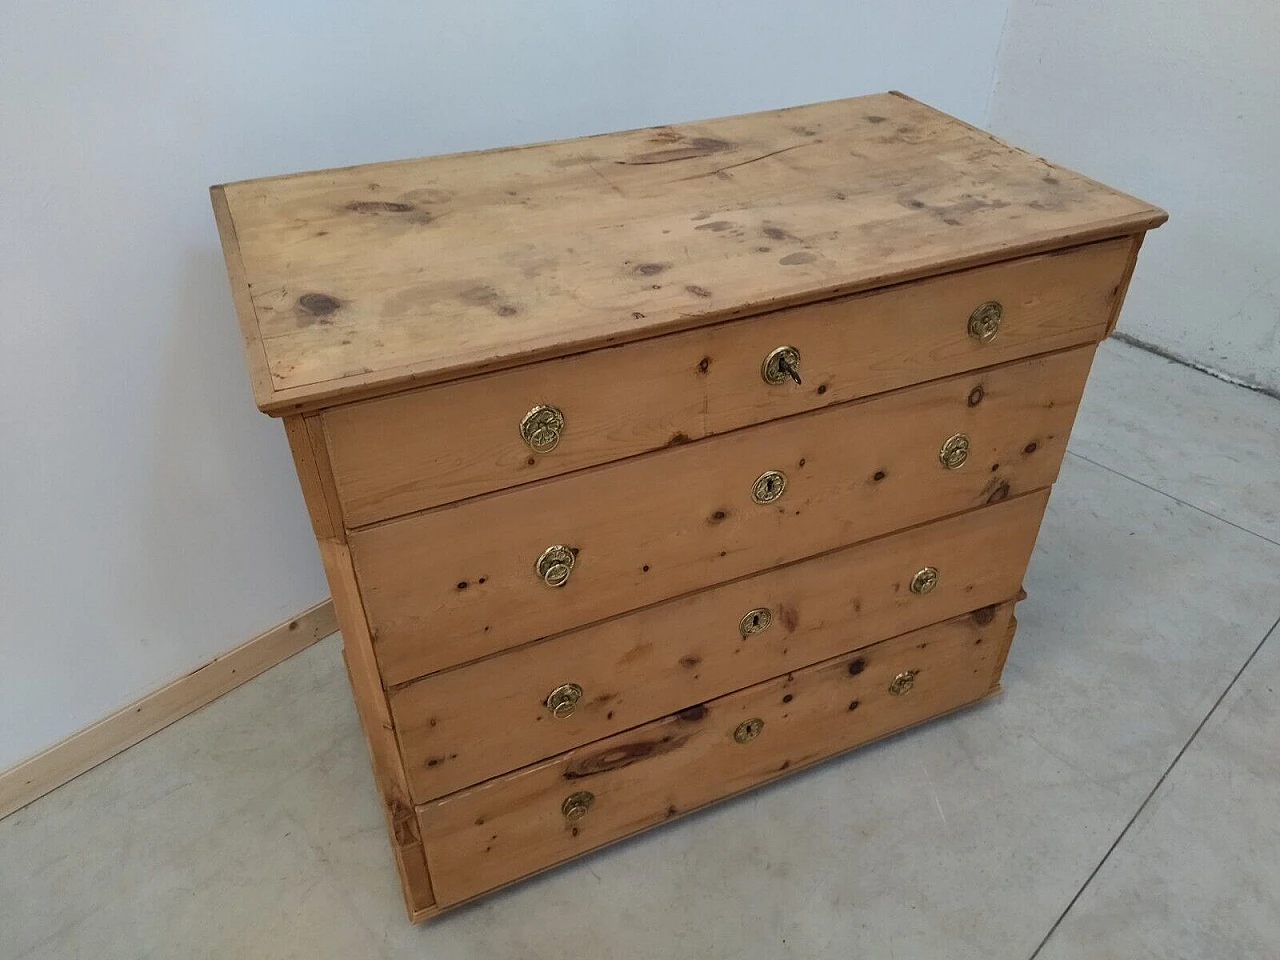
781, 363
786, 367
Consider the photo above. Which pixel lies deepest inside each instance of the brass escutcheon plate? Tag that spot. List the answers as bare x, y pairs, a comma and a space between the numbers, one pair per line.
563, 700
925, 580
755, 621
984, 322
541, 428
955, 451
781, 364
748, 730
769, 486
576, 805
903, 682
555, 565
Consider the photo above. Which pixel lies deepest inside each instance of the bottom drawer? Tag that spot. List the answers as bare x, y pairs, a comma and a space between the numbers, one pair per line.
517, 824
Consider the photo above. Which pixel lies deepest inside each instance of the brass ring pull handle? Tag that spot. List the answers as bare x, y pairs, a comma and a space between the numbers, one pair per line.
924, 581
984, 322
955, 451
903, 682
755, 621
555, 565
541, 428
563, 700
576, 805
782, 364
769, 486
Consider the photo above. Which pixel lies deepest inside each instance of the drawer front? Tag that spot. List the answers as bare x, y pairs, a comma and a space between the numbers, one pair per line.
441, 444
516, 825
463, 726
462, 581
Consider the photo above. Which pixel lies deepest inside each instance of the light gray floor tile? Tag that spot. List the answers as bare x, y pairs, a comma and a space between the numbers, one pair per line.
1214, 445
251, 829
193, 844
1198, 874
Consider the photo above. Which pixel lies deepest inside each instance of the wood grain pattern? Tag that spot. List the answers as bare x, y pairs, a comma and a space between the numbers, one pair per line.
661, 659
361, 280
255, 352
311, 462
379, 733
513, 826
420, 449
1122, 290
459, 581
1002, 650
403, 317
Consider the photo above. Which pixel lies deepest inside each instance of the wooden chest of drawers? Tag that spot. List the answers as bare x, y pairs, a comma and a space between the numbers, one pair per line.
649, 467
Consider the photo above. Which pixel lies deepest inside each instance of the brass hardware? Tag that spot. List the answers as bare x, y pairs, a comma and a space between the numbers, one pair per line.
555, 565
748, 730
541, 428
984, 322
755, 621
576, 805
955, 451
769, 486
563, 700
924, 581
781, 364
903, 682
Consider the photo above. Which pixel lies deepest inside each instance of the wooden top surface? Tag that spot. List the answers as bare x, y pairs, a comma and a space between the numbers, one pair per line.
359, 281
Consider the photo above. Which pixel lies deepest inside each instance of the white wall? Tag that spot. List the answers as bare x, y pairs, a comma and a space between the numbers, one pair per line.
1179, 102
151, 519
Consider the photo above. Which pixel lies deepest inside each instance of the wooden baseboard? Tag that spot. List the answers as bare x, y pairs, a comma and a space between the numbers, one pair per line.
101, 741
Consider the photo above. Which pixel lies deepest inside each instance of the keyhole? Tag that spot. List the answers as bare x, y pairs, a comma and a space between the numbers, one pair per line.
768, 487
755, 621
788, 369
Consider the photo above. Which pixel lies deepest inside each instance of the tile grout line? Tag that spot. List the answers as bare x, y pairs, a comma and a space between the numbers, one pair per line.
1175, 499
1155, 789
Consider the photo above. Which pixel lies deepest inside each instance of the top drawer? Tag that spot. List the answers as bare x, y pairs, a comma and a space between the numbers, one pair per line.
432, 446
